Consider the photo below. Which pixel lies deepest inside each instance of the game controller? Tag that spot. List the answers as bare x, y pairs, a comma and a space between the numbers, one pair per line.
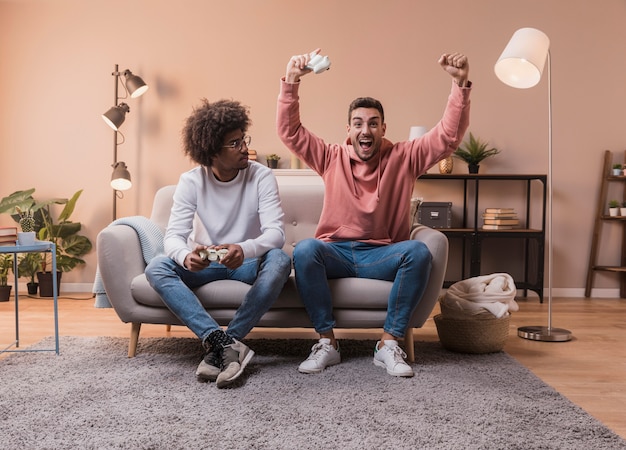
212, 255
318, 63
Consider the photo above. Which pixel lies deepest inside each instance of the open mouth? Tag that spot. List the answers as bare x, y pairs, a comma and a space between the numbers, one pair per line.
365, 144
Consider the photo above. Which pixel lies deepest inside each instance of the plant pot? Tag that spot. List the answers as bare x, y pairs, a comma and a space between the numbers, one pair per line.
5, 293
622, 211
272, 163
617, 172
45, 283
473, 168
32, 288
613, 212
26, 237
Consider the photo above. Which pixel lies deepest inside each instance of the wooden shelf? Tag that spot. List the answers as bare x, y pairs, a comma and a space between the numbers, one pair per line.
603, 219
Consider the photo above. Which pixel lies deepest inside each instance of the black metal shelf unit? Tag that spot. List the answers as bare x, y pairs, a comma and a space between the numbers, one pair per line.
473, 236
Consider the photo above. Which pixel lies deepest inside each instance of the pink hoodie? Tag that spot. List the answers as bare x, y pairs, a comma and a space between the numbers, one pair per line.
369, 201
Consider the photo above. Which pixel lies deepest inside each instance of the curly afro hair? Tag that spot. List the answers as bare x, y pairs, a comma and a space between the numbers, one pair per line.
204, 131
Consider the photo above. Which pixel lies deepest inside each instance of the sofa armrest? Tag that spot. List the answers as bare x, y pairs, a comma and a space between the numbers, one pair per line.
120, 260
437, 243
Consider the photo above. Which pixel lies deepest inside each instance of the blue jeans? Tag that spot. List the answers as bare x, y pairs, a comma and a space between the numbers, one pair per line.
406, 263
267, 275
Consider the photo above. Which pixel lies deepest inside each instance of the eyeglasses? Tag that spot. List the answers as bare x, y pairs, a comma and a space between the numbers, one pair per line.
238, 143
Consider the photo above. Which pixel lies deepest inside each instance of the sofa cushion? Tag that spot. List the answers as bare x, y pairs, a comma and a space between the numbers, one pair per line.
348, 293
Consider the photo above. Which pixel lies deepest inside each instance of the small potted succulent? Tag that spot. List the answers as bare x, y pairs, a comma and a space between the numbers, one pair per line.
617, 169
272, 160
27, 224
613, 208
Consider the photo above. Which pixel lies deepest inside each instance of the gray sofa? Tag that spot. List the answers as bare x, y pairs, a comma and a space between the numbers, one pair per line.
358, 303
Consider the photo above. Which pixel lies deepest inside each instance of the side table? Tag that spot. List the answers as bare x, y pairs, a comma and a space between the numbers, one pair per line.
37, 247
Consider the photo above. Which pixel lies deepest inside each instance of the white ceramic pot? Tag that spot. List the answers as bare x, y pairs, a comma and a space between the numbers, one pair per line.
26, 237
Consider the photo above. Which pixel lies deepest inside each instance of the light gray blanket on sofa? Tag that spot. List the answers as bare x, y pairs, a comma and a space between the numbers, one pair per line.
151, 239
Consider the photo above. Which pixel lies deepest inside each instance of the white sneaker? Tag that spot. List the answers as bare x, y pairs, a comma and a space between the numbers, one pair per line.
391, 357
323, 354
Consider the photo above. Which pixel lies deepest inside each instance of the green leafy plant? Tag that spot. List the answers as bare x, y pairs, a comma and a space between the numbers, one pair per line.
272, 156
617, 166
60, 230
29, 264
474, 150
6, 265
613, 204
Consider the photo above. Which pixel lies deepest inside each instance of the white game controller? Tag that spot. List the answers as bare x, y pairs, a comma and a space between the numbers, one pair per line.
318, 63
212, 255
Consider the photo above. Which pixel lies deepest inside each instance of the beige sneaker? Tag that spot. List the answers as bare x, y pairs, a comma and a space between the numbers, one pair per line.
235, 358
210, 366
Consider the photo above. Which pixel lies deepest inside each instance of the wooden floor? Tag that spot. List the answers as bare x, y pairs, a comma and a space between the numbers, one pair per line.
590, 369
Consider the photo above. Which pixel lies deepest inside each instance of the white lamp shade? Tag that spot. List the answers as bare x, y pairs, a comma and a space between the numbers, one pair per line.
416, 132
521, 63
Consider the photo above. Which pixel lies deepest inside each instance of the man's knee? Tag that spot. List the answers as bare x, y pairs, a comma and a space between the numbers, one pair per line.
156, 267
279, 260
306, 250
419, 251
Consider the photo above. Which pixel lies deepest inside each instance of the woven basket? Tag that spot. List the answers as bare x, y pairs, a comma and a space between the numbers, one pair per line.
473, 335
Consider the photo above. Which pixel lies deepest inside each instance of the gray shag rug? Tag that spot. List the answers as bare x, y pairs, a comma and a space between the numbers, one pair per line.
93, 397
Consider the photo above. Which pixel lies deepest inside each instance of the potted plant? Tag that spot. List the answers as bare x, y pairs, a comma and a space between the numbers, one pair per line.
474, 151
60, 230
6, 265
27, 224
28, 266
617, 169
613, 208
272, 160
622, 209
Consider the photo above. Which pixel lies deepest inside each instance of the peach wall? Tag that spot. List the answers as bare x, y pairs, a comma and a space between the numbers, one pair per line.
57, 58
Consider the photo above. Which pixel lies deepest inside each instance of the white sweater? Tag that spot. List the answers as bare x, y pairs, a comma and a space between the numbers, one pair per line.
244, 211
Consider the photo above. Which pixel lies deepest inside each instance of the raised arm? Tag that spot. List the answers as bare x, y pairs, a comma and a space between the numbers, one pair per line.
457, 65
296, 67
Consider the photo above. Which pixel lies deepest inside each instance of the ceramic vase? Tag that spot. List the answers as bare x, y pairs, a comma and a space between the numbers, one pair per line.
446, 165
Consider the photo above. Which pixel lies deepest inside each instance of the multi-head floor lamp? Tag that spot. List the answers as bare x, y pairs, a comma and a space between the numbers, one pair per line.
114, 117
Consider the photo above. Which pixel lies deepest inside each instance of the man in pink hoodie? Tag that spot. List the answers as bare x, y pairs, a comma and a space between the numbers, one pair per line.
364, 226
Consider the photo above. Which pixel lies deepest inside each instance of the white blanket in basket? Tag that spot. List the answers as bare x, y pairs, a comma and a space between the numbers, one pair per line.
493, 293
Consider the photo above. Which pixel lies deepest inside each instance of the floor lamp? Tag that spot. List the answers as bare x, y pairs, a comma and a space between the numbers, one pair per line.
114, 117
521, 66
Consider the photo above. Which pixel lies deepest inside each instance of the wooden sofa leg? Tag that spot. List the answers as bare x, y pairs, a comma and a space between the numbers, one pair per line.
409, 345
134, 339
168, 328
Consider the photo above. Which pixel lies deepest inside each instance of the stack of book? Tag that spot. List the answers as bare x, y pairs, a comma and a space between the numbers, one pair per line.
500, 219
8, 235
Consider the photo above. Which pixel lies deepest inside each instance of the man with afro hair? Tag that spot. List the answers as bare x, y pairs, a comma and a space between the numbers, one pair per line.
226, 203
